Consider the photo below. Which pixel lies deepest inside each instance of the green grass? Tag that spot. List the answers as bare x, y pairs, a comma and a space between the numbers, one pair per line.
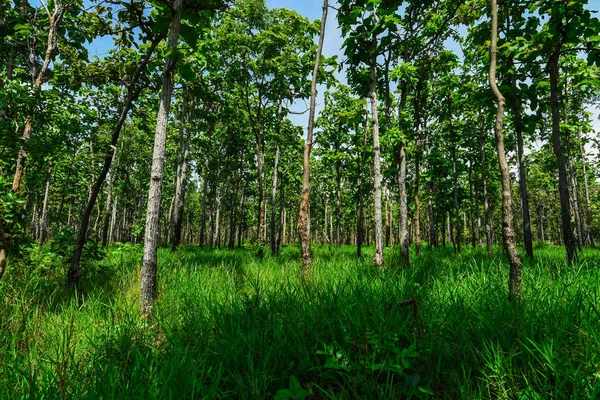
229, 326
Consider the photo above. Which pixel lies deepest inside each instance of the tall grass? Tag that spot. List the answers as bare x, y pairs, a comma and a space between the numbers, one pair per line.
229, 326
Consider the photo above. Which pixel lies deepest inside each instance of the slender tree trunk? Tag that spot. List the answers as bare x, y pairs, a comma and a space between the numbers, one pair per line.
361, 178
281, 223
507, 218
378, 259
486, 203
113, 220
563, 184
285, 237
211, 217
338, 207
107, 210
304, 215
400, 158
576, 201
148, 291
527, 239
218, 221
74, 273
242, 223
3, 250
182, 171
445, 226
458, 236
44, 218
472, 207
233, 213
417, 124
542, 223
204, 195
273, 227
589, 238
262, 228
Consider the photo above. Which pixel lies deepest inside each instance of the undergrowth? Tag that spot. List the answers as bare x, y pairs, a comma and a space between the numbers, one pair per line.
227, 325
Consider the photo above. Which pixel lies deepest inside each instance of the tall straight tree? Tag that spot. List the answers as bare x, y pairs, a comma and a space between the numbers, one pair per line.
182, 169
507, 217
304, 216
378, 258
151, 236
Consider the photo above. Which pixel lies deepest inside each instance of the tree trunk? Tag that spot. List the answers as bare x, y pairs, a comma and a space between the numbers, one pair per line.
486, 203
261, 229
242, 223
338, 206
361, 178
148, 291
218, 220
563, 184
527, 239
107, 209
576, 202
281, 223
233, 212
378, 259
3, 250
472, 208
400, 158
589, 238
44, 218
507, 218
304, 216
113, 220
204, 195
182, 170
458, 237
273, 228
74, 273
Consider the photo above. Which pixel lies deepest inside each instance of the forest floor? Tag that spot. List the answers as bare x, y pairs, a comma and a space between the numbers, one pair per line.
228, 326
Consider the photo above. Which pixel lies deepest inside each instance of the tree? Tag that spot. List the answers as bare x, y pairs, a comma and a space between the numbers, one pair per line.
304, 215
148, 292
508, 235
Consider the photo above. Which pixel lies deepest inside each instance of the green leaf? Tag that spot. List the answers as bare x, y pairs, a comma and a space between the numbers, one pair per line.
426, 390
189, 35
284, 394
295, 384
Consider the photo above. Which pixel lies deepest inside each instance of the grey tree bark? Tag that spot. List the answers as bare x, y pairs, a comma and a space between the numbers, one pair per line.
378, 258
507, 217
400, 159
44, 217
589, 238
527, 238
486, 203
272, 233
361, 179
182, 171
107, 209
304, 214
576, 201
148, 291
